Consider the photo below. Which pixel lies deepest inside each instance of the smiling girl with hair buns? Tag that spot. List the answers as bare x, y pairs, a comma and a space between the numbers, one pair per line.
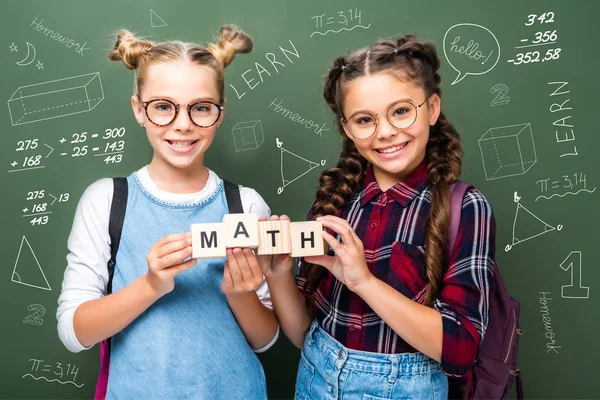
175, 331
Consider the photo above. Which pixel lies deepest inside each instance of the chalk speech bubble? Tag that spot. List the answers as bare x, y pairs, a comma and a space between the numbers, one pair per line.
471, 49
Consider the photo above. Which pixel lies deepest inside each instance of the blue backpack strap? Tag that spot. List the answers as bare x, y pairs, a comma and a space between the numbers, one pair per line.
457, 192
115, 224
234, 199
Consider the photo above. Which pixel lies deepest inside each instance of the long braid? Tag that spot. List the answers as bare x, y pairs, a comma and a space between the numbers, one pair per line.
444, 154
336, 185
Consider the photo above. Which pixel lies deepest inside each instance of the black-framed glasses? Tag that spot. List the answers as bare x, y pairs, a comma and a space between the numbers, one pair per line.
401, 114
162, 112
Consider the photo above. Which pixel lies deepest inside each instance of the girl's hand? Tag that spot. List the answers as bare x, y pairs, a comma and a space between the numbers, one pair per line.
167, 258
278, 264
242, 273
348, 265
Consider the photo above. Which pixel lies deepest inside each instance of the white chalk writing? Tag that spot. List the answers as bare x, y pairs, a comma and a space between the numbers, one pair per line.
551, 344
58, 37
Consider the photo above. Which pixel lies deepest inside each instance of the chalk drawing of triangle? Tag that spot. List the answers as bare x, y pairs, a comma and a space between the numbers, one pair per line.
156, 21
527, 225
295, 166
27, 270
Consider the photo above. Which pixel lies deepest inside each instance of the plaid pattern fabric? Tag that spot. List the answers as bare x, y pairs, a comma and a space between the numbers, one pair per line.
392, 225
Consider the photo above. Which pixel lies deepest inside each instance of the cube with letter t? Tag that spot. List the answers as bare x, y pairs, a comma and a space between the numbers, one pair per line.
274, 237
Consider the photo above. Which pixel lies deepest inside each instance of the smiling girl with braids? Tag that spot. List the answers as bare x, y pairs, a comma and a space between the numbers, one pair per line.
391, 311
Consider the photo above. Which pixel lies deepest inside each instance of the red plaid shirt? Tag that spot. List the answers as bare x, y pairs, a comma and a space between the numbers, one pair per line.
391, 225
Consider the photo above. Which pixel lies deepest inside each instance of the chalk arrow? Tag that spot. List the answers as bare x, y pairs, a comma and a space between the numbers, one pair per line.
51, 150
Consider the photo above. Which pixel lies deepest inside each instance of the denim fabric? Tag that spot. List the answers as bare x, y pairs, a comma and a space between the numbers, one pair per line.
187, 344
329, 370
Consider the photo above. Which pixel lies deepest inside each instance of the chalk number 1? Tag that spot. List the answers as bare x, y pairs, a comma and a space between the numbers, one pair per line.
575, 290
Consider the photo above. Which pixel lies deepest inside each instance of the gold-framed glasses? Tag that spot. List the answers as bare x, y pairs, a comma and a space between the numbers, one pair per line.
401, 114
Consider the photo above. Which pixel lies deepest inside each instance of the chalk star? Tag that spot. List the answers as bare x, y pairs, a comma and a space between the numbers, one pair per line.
13, 47
40, 65
25, 210
14, 163
62, 140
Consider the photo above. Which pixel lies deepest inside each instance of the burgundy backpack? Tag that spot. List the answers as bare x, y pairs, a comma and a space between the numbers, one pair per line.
495, 369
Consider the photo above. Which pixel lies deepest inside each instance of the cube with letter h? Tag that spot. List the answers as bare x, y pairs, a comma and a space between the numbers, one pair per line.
210, 240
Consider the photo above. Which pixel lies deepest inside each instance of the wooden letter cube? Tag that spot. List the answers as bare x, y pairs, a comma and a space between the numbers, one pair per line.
307, 239
241, 230
208, 240
274, 237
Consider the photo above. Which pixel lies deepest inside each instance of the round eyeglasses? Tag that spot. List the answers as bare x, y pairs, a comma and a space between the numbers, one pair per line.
401, 114
161, 112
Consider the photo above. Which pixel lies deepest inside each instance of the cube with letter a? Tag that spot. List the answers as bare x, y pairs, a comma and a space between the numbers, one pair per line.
208, 240
307, 239
241, 230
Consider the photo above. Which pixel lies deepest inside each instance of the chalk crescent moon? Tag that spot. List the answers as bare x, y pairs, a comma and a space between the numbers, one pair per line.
30, 55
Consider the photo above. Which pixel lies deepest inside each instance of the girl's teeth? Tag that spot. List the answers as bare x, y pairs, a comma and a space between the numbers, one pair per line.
182, 144
392, 149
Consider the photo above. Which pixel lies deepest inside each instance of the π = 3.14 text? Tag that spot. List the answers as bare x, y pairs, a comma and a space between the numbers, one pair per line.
53, 372
569, 184
340, 21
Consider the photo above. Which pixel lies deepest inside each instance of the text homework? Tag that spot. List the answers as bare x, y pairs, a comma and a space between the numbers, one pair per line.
299, 239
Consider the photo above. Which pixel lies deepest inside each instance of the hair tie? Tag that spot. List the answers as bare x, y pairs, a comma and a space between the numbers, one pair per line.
395, 51
343, 67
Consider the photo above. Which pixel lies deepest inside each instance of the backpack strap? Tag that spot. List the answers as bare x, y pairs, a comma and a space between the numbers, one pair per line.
457, 192
519, 380
234, 199
115, 224
459, 388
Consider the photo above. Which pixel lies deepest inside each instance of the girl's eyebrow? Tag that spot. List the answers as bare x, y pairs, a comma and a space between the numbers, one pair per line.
386, 108
193, 101
204, 98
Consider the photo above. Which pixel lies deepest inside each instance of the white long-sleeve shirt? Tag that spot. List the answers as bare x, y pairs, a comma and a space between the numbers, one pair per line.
86, 275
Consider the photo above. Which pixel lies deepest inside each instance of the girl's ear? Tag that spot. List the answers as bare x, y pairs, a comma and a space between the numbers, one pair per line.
220, 120
434, 107
138, 110
346, 131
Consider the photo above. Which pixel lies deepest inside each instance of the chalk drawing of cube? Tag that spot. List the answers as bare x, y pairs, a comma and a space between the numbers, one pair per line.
54, 99
507, 151
248, 135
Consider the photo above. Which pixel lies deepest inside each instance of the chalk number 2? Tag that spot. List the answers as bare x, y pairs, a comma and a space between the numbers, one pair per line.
35, 318
501, 97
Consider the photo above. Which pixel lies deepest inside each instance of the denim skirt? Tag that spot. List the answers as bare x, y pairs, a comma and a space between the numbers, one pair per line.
328, 370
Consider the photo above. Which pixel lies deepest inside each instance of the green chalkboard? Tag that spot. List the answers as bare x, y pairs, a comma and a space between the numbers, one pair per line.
519, 84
